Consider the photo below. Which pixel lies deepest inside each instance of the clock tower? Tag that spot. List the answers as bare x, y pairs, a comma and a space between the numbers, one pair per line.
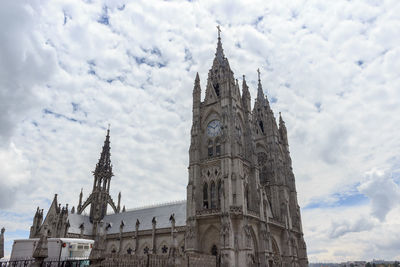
224, 207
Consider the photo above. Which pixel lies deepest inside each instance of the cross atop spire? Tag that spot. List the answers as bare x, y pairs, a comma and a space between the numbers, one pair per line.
219, 32
258, 71
220, 52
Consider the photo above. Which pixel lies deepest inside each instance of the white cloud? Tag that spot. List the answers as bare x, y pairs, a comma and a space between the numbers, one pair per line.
330, 66
383, 192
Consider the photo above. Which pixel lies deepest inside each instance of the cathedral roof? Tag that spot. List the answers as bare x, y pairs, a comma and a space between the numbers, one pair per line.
75, 222
161, 213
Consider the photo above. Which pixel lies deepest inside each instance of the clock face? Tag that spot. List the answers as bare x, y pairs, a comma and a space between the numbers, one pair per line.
214, 128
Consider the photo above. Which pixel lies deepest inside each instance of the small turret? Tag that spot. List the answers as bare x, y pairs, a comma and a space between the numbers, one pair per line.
119, 202
80, 200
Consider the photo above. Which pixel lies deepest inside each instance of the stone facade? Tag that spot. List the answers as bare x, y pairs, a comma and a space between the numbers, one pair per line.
241, 197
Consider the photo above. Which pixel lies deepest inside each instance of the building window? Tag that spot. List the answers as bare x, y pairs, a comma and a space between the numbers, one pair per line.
216, 87
146, 250
213, 195
219, 193
164, 249
205, 196
261, 126
129, 251
210, 148
217, 147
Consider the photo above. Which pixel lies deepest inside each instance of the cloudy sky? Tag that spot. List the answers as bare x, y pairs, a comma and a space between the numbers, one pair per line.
69, 68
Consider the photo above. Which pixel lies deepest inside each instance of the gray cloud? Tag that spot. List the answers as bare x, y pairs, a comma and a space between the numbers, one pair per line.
383, 192
339, 229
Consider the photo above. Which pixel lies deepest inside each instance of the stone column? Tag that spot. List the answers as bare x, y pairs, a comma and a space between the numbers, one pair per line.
121, 228
2, 242
173, 245
97, 255
136, 237
82, 229
154, 222
41, 250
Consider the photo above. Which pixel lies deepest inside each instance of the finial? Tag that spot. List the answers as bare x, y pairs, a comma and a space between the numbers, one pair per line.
219, 32
258, 71
244, 77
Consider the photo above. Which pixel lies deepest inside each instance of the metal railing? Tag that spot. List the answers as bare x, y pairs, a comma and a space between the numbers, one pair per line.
46, 263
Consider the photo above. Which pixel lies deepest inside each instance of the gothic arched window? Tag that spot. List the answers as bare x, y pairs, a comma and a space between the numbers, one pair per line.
217, 147
219, 193
213, 195
210, 148
205, 196
216, 87
261, 126
214, 250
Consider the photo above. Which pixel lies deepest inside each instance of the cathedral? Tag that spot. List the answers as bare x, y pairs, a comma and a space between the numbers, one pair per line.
241, 201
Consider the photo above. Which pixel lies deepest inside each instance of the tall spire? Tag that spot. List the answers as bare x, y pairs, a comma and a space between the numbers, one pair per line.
104, 167
260, 94
219, 55
196, 96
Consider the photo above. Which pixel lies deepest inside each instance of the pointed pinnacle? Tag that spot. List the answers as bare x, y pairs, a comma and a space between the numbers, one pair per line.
260, 93
281, 121
220, 52
197, 78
